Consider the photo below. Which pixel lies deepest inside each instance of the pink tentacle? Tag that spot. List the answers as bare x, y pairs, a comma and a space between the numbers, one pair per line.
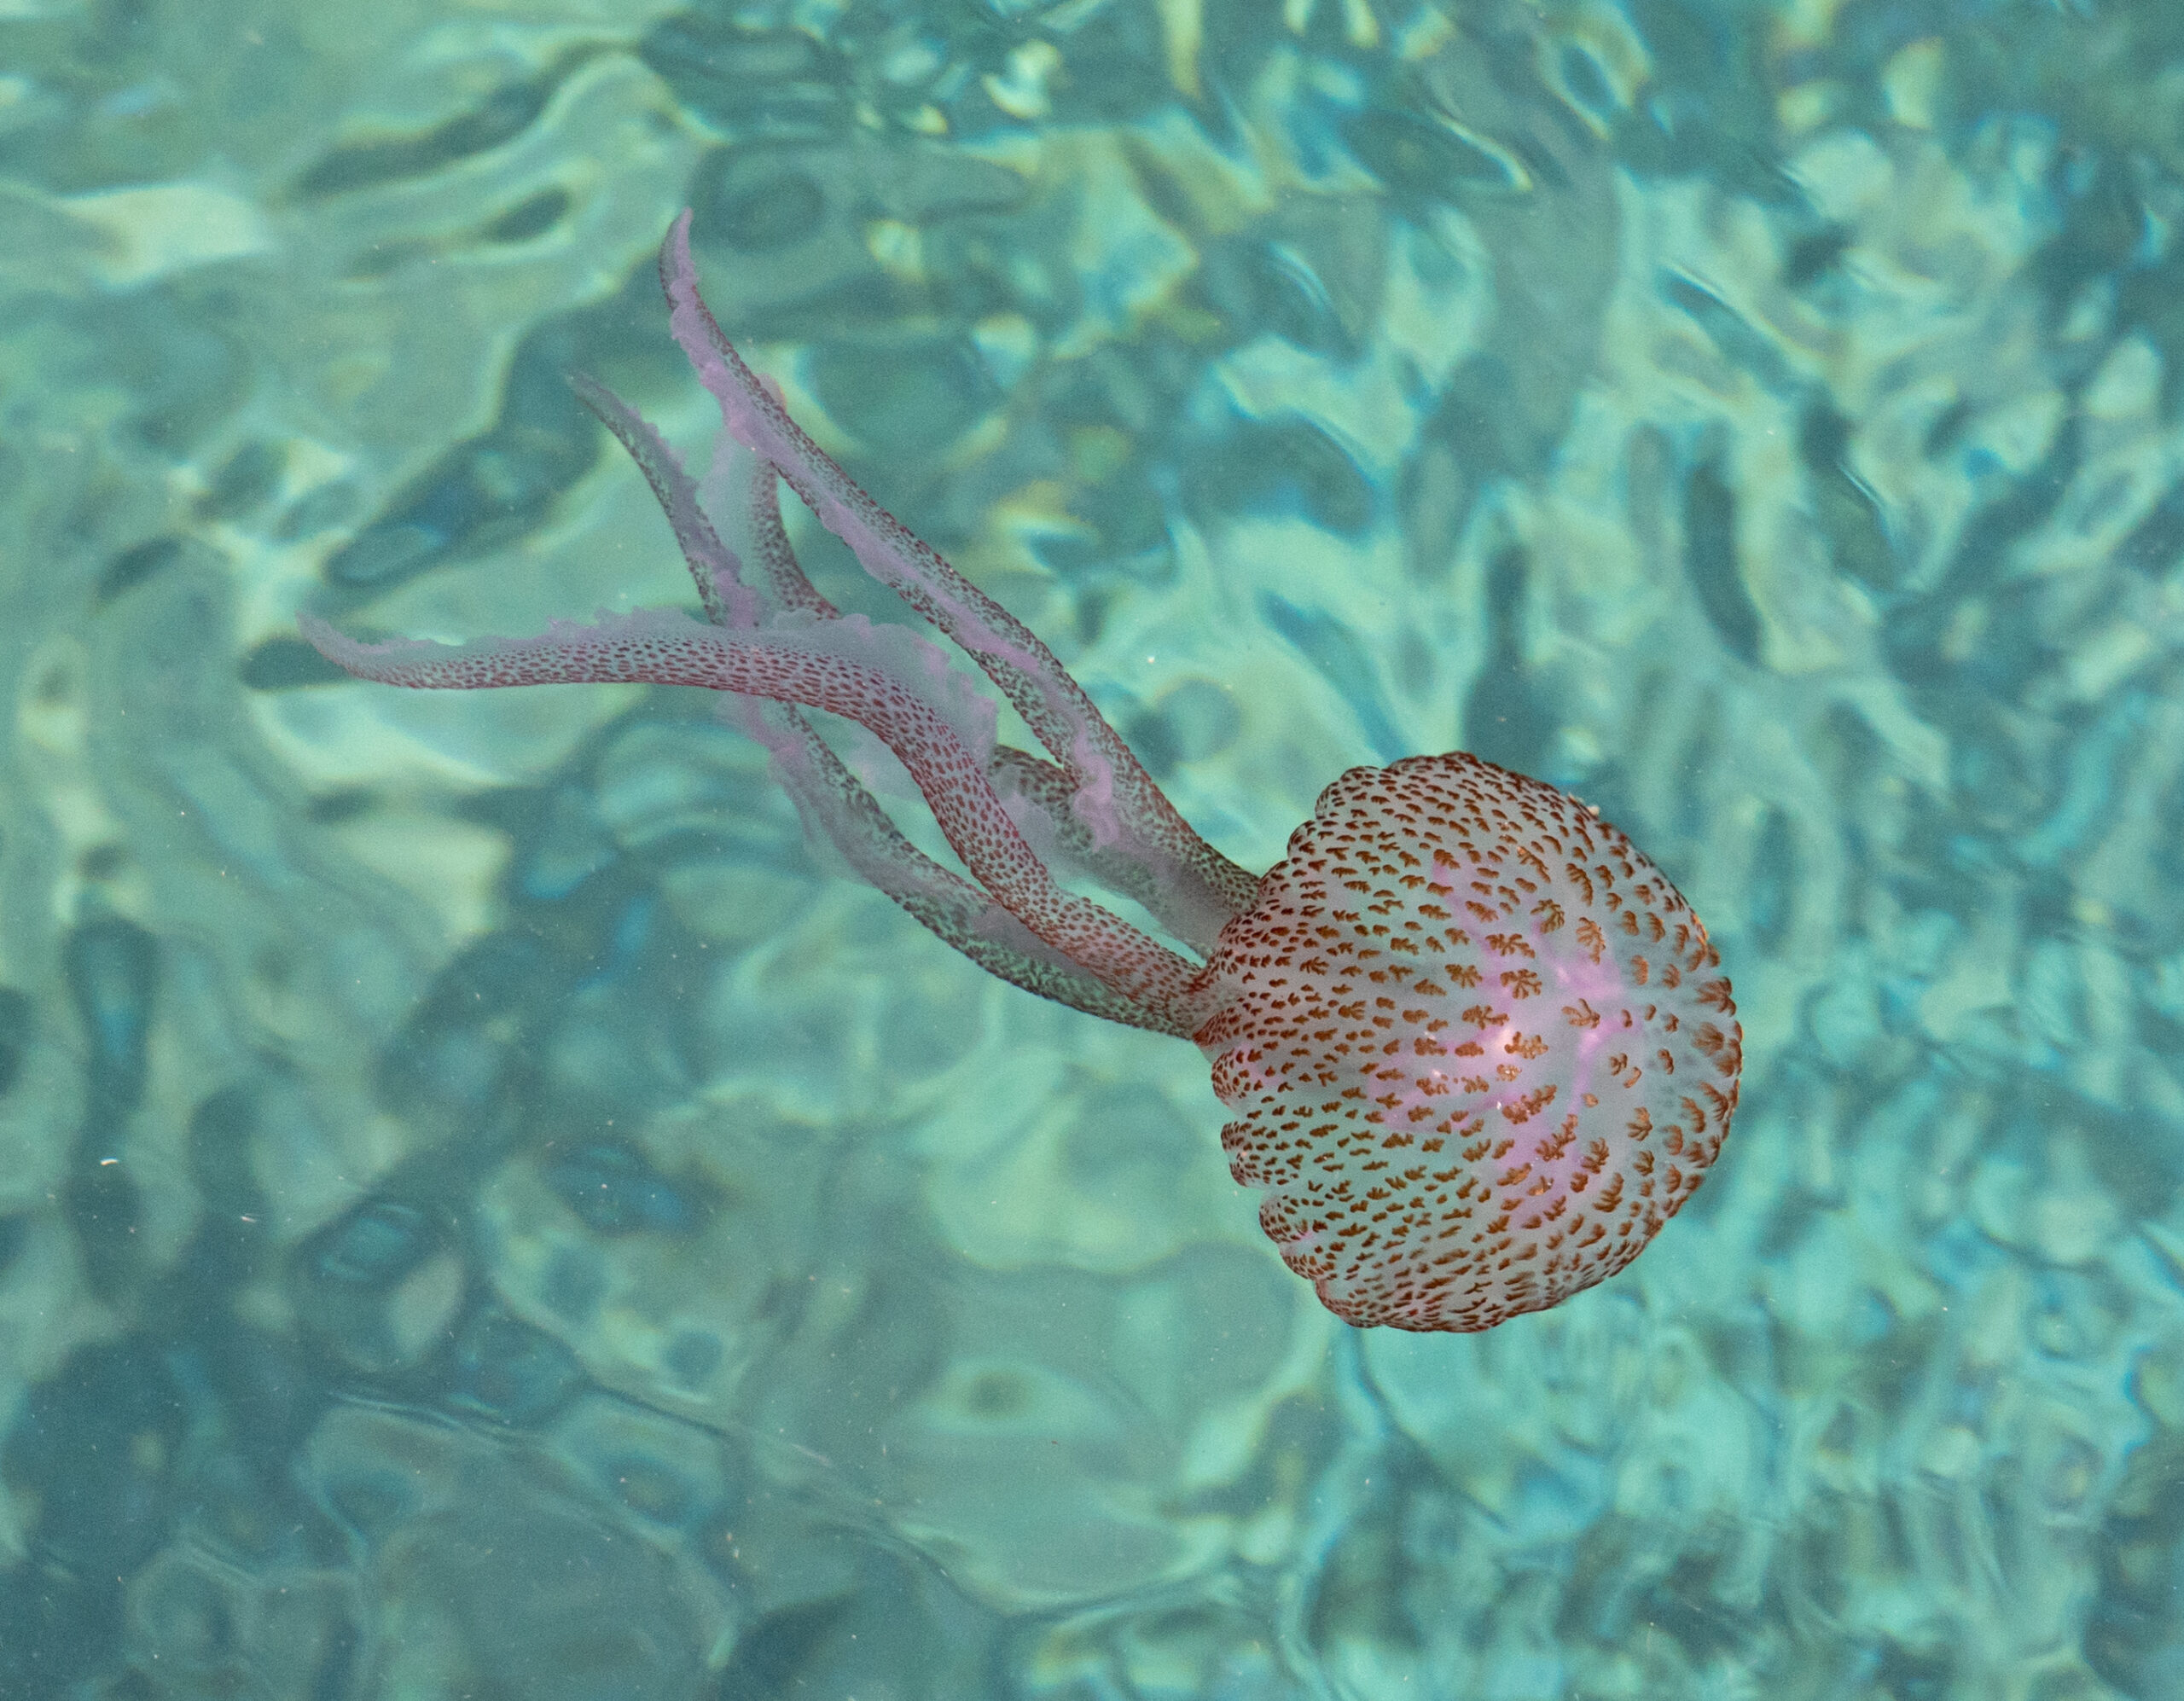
718, 572
1038, 792
953, 909
1113, 794
846, 667
745, 490
836, 805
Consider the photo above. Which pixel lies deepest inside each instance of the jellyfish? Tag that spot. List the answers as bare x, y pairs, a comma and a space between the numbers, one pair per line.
1478, 1047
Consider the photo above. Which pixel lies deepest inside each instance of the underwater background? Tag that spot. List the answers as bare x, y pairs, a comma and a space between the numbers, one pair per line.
486, 1211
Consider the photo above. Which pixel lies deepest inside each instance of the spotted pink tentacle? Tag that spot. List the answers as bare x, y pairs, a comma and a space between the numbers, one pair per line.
744, 489
834, 803
953, 909
846, 667
729, 601
1113, 795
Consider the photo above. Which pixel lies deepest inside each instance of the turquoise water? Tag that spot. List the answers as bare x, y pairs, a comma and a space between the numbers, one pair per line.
486, 1210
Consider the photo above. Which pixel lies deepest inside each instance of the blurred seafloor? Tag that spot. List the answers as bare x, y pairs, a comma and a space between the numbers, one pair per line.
484, 1212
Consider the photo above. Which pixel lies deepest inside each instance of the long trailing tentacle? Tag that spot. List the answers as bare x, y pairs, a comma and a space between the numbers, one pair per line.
1095, 806
748, 488
1043, 789
948, 905
834, 802
846, 667
1199, 889
728, 601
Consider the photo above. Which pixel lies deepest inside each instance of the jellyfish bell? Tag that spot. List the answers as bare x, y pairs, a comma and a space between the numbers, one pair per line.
1478, 1044
1479, 1047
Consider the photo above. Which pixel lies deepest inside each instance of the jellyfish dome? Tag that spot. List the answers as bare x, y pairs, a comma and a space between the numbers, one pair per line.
1478, 1044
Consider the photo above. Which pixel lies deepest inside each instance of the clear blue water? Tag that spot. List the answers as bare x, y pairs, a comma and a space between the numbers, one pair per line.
487, 1210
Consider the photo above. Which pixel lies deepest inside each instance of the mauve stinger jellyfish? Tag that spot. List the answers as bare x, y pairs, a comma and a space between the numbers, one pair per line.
1478, 1047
